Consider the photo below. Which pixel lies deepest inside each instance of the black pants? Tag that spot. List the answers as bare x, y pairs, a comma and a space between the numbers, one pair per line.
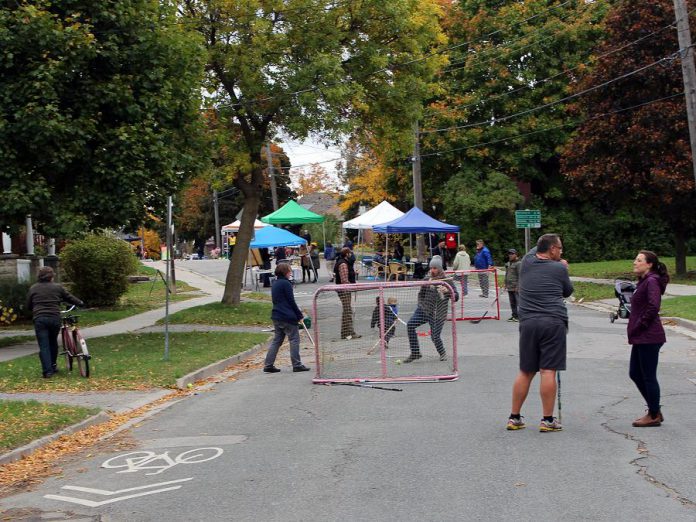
643, 372
47, 330
513, 303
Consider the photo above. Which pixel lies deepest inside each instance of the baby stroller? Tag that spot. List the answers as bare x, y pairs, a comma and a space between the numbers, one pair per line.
624, 291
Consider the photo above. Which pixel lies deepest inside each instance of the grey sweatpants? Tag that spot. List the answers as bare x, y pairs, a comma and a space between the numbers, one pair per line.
281, 330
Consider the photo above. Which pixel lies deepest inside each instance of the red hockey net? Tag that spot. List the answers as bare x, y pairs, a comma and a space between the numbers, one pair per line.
479, 294
385, 332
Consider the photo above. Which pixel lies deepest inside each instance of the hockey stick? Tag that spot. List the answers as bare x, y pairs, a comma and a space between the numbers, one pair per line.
308, 334
558, 378
477, 321
363, 385
371, 350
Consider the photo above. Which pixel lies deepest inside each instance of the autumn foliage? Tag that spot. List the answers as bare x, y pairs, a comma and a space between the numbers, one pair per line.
632, 147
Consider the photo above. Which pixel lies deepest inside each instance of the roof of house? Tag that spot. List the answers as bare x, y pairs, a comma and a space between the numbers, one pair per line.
322, 203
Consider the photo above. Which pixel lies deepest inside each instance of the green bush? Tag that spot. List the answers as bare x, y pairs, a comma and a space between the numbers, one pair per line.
98, 267
14, 295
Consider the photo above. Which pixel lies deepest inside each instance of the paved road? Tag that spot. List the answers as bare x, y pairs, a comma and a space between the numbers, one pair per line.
296, 451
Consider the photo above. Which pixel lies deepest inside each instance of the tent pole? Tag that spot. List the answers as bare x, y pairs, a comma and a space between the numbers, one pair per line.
323, 233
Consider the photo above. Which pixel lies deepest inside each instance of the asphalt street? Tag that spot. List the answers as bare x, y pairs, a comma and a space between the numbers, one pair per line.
283, 449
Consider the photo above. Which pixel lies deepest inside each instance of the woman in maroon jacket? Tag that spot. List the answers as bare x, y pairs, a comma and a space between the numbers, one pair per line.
646, 334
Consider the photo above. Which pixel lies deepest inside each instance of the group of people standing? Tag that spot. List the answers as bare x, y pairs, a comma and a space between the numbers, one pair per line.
542, 285
537, 285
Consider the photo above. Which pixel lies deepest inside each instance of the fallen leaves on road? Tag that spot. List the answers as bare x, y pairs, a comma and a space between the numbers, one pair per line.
33, 468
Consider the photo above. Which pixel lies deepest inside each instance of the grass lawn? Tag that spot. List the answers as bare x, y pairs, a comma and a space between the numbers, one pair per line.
679, 307
24, 421
623, 269
592, 291
139, 298
218, 314
257, 296
130, 361
16, 339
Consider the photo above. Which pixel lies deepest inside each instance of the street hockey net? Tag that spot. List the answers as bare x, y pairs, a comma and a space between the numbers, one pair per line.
361, 333
479, 294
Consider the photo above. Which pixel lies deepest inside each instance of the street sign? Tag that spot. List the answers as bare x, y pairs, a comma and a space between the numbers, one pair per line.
528, 218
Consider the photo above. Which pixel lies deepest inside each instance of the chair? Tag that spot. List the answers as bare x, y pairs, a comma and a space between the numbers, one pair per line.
397, 270
379, 269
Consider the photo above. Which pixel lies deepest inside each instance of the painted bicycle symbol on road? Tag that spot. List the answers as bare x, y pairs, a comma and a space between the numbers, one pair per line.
149, 460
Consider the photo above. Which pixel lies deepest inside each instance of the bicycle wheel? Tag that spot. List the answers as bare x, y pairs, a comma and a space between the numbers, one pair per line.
82, 353
196, 456
68, 348
128, 460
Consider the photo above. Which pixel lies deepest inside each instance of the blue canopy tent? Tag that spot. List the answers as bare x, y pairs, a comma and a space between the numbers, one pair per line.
415, 221
271, 236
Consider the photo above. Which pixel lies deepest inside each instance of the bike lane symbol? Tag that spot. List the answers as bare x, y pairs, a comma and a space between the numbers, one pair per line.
140, 461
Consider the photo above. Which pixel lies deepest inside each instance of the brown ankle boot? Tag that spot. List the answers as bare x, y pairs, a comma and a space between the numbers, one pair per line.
646, 421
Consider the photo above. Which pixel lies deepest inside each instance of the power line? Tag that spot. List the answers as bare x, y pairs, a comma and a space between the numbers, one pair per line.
495, 121
531, 133
535, 83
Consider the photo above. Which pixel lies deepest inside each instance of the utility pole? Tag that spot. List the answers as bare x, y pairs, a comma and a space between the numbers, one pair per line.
271, 175
417, 187
218, 240
686, 51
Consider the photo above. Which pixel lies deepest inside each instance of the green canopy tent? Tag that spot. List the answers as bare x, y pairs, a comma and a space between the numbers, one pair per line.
292, 213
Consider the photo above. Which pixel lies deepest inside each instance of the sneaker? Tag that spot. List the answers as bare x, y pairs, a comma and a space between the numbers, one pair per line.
516, 424
484, 296
300, 368
271, 369
554, 425
412, 357
511, 320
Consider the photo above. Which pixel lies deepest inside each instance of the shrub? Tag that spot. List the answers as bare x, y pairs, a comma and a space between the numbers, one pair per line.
13, 296
98, 267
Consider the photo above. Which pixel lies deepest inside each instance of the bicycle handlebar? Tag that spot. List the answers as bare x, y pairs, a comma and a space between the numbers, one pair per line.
69, 309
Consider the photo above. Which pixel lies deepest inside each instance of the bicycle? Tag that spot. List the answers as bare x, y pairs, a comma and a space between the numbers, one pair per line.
144, 460
74, 345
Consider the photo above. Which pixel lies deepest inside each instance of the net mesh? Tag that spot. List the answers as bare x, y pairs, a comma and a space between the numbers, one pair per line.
368, 331
480, 293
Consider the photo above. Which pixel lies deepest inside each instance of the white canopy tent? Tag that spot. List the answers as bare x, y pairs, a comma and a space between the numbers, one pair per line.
382, 213
234, 227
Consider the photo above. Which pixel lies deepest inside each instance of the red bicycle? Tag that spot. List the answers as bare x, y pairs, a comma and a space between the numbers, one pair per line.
74, 345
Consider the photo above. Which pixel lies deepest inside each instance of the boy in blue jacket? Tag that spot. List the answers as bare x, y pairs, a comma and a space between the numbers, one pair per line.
285, 315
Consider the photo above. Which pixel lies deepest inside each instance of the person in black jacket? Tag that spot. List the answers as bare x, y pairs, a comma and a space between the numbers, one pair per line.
43, 301
285, 316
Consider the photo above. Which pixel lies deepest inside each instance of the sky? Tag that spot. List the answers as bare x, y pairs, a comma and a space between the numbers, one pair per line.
309, 151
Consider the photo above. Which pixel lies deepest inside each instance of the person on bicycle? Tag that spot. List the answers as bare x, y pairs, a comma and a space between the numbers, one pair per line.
43, 301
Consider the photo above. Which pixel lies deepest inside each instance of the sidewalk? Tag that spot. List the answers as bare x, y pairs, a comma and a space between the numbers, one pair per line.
209, 286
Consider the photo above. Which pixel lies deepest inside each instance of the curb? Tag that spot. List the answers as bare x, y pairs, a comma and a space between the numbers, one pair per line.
216, 367
27, 449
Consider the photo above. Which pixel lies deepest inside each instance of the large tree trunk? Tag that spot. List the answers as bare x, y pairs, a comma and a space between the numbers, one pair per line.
235, 271
680, 251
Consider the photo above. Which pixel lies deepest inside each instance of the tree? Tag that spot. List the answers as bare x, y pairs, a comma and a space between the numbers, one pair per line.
98, 111
633, 147
316, 179
509, 57
322, 68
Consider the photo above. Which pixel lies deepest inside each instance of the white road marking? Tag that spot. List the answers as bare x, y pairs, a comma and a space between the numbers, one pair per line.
92, 503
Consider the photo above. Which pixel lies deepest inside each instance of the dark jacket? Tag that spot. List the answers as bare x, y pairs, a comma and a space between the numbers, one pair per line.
284, 306
389, 318
337, 271
434, 300
329, 253
44, 300
644, 325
